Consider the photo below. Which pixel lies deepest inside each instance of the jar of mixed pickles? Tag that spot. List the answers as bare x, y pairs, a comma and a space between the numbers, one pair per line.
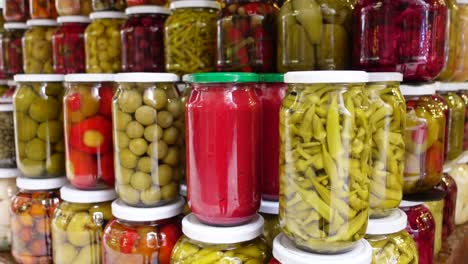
142, 39
237, 244
16, 10
463, 93
11, 62
68, 45
102, 42
7, 137
452, 40
88, 130
108, 5
78, 225
449, 186
146, 2
406, 36
7, 190
73, 7
190, 36
461, 62
38, 119
247, 36
42, 9
434, 201
147, 116
142, 235
31, 212
325, 151
37, 46
269, 210
424, 139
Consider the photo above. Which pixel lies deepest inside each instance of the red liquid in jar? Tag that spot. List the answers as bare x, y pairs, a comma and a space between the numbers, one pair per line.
69, 48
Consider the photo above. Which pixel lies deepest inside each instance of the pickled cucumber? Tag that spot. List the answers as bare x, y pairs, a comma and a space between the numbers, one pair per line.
393, 248
37, 49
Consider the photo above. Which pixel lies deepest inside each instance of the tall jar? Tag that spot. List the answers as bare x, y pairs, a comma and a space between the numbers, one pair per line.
424, 139
461, 63
190, 37
449, 186
434, 201
314, 35
7, 137
31, 213
325, 151
68, 45
142, 39
78, 225
38, 118
452, 41
142, 235
219, 157
42, 9
269, 210
147, 116
16, 10
463, 93
406, 36
102, 42
7, 190
88, 130
146, 2
108, 5
73, 7
246, 34
11, 61
388, 147
37, 46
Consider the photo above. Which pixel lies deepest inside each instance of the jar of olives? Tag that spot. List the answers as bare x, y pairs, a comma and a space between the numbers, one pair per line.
147, 116
146, 2
7, 190
142, 235
452, 40
11, 60
7, 137
269, 210
31, 212
68, 45
42, 9
108, 5
190, 36
73, 7
37, 46
142, 39
16, 10
237, 244
78, 225
325, 152
102, 42
38, 118
449, 186
88, 130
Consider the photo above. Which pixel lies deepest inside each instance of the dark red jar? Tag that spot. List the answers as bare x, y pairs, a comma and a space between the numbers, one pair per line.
448, 185
16, 10
142, 39
11, 55
68, 45
406, 36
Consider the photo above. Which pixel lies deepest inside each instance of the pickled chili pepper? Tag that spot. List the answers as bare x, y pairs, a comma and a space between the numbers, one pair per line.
11, 54
89, 135
42, 9
16, 10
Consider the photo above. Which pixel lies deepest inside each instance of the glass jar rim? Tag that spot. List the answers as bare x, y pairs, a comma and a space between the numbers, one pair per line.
451, 86
332, 77
224, 77
146, 9
393, 223
71, 194
42, 22
137, 214
89, 77
73, 19
40, 184
195, 3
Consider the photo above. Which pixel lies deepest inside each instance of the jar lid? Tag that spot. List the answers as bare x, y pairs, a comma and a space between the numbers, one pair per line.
125, 212
107, 14
89, 77
285, 252
3, 82
449, 86
271, 77
183, 190
195, 3
11, 83
147, 9
41, 184
7, 173
326, 77
146, 77
73, 19
420, 89
269, 207
385, 77
74, 195
15, 25
7, 107
41, 22
38, 77
405, 203
196, 230
393, 223
224, 77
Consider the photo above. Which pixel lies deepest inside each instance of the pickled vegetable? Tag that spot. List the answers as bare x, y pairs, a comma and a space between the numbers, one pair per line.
452, 39
37, 46
73, 7
16, 10
7, 137
456, 107
11, 61
105, 5
393, 248
42, 9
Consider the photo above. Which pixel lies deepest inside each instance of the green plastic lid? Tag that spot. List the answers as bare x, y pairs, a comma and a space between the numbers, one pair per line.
224, 77
271, 77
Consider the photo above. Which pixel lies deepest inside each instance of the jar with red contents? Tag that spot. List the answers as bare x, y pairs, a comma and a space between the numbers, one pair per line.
406, 36
16, 10
222, 120
247, 36
68, 47
31, 213
463, 93
146, 2
11, 54
73, 7
448, 185
42, 9
88, 130
142, 39
142, 235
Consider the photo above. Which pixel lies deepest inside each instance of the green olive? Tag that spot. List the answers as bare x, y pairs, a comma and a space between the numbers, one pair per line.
153, 132
102, 208
174, 107
122, 120
138, 146
134, 130
26, 127
124, 176
164, 175
162, 149
129, 101
24, 98
43, 110
172, 157
122, 140
165, 119
127, 159
55, 164
170, 135
140, 181
36, 150
31, 168
51, 131
145, 115
170, 191
128, 194
156, 98
144, 164
151, 196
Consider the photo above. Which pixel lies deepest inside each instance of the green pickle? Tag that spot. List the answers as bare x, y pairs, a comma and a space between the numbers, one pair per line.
37, 46
393, 248
456, 129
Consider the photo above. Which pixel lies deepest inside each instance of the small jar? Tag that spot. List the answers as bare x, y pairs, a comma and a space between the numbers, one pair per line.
325, 142
142, 235
449, 186
88, 130
7, 190
190, 49
78, 225
463, 93
31, 212
68, 45
102, 42
146, 2
269, 210
38, 116
108, 5
238, 244
7, 137
16, 10
147, 134
452, 40
221, 158
73, 7
37, 46
11, 62
435, 204
42, 9
142, 39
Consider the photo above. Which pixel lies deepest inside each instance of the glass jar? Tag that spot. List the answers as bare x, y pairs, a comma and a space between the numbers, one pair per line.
142, 235
424, 139
406, 36
314, 35
147, 138
322, 148
452, 41
73, 7
461, 62
146, 2
31, 213
102, 42
68, 45
246, 32
388, 146
42, 9
440, 101
7, 137
142, 39
3, 90
37, 46
449, 186
221, 158
238, 244
185, 90
88, 130
11, 61
190, 37
269, 210
16, 10
38, 118
436, 206
78, 224
7, 190
108, 5
463, 93
459, 173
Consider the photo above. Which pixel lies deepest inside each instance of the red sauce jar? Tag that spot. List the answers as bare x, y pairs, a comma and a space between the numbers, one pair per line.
16, 10
11, 53
448, 185
223, 117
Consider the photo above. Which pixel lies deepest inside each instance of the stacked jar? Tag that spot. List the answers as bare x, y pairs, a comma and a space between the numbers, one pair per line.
16, 10
42, 9
11, 52
108, 5
73, 7
452, 39
7, 190
37, 46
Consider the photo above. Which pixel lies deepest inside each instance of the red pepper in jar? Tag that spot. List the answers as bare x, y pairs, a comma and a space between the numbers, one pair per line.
106, 168
128, 240
170, 233
91, 135
105, 107
81, 167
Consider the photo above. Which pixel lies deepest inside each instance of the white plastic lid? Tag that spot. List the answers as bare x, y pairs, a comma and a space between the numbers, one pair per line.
42, 22
405, 203
6, 173
186, 77
393, 223
11, 83
89, 77
39, 77
194, 229
183, 190
2, 81
41, 184
74, 195
107, 14
125, 212
5, 107
326, 77
385, 77
147, 9
15, 25
286, 253
269, 207
195, 3
73, 19
463, 85
145, 77
449, 86
462, 1
463, 158
421, 89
